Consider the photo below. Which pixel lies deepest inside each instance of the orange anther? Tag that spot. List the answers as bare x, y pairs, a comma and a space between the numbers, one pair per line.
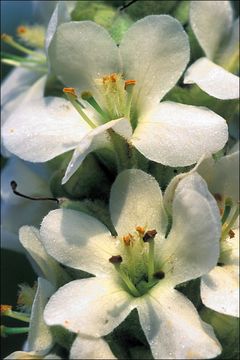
70, 91
129, 82
4, 308
127, 239
140, 230
21, 29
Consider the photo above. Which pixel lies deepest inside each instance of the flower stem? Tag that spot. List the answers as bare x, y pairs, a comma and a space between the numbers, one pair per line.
13, 330
151, 260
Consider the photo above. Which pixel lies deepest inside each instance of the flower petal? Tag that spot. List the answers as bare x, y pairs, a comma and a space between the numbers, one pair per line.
155, 52
95, 139
136, 200
49, 127
178, 135
81, 52
231, 47
213, 79
220, 290
59, 16
30, 239
173, 327
211, 22
90, 348
222, 176
92, 307
78, 240
40, 338
192, 246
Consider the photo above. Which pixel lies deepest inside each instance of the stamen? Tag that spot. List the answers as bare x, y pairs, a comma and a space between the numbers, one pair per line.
140, 230
227, 209
231, 234
38, 198
129, 82
6, 310
87, 96
10, 41
127, 239
72, 97
149, 235
115, 259
21, 29
228, 226
218, 197
5, 331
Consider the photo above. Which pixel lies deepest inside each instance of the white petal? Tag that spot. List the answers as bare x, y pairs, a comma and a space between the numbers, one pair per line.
211, 21
179, 135
30, 239
90, 348
22, 355
92, 307
192, 247
222, 176
59, 16
173, 327
213, 79
21, 85
44, 129
78, 240
155, 52
40, 338
81, 52
136, 200
220, 290
95, 139
228, 51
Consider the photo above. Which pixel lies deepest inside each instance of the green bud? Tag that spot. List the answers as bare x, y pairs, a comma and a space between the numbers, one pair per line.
120, 25
142, 8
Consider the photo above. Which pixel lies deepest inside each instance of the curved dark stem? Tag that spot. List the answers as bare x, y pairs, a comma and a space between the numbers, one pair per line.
127, 5
14, 189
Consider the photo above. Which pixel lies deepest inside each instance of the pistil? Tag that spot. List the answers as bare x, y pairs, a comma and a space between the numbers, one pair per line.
149, 237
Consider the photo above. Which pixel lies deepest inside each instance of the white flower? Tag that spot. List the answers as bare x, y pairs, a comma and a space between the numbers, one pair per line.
90, 348
124, 83
218, 35
32, 179
140, 267
220, 288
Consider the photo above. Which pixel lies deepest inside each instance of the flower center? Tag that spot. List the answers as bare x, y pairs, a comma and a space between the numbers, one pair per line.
136, 264
115, 99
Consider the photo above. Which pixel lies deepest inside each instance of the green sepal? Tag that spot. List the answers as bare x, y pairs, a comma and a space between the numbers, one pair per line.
128, 341
120, 25
62, 337
89, 181
142, 8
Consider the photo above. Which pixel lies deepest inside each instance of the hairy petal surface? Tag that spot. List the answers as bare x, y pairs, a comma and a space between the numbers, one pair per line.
173, 327
178, 135
50, 126
92, 307
211, 21
136, 200
78, 240
213, 79
81, 52
155, 52
90, 348
192, 246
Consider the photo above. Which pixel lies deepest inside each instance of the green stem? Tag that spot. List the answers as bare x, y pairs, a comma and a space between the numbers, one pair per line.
150, 260
121, 149
90, 99
128, 282
12, 330
227, 209
16, 315
78, 107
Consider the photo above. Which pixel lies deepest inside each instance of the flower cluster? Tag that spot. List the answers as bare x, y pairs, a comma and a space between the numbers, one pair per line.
131, 219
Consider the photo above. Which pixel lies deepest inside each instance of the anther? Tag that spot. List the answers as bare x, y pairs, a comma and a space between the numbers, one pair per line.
218, 197
14, 189
127, 239
159, 275
220, 264
140, 230
21, 29
149, 235
4, 308
115, 259
231, 234
129, 82
70, 91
